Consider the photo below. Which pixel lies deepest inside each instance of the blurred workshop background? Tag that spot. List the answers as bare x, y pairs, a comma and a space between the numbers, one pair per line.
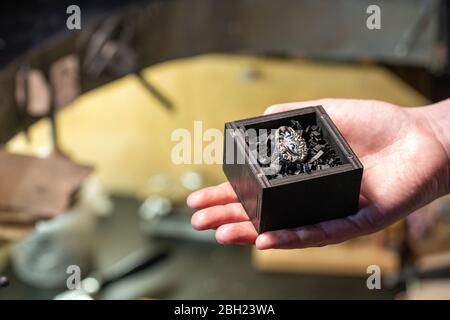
86, 116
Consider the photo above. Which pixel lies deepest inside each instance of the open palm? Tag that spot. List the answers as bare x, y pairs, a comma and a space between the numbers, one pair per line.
405, 167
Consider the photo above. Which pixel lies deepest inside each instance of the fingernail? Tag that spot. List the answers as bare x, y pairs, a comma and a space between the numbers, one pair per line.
268, 110
221, 235
199, 221
192, 200
263, 242
194, 222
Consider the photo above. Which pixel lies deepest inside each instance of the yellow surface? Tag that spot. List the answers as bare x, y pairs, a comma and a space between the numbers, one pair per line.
125, 133
341, 259
434, 289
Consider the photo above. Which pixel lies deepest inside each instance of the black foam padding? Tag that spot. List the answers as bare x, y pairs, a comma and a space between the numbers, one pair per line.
321, 155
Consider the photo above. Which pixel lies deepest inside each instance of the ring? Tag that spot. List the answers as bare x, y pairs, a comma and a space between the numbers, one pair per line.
290, 145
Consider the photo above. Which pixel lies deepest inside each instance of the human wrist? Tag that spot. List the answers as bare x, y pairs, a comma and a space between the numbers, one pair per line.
437, 118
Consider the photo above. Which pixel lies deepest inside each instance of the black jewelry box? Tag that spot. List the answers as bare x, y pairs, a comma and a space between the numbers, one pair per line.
316, 193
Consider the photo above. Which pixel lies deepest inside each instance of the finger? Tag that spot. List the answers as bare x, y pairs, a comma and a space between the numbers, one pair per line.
295, 105
363, 202
329, 232
236, 233
213, 217
212, 196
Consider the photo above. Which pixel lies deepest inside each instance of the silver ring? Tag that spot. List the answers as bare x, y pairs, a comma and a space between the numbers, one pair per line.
290, 145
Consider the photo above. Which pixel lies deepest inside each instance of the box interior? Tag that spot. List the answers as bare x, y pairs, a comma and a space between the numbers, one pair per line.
307, 121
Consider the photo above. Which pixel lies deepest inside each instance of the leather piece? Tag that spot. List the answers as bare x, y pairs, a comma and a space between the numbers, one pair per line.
41, 187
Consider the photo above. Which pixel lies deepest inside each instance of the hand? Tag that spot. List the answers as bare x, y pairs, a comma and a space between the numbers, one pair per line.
405, 167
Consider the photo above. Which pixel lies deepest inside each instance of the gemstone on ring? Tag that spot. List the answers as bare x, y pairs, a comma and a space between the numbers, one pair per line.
289, 145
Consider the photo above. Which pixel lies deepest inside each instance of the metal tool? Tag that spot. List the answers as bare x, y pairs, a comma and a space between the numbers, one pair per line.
176, 227
4, 282
411, 36
91, 286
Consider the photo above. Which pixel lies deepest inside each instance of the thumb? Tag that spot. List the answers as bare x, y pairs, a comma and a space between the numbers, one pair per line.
296, 105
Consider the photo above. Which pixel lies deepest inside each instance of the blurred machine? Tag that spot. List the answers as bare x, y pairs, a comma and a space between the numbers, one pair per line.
122, 37
110, 95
